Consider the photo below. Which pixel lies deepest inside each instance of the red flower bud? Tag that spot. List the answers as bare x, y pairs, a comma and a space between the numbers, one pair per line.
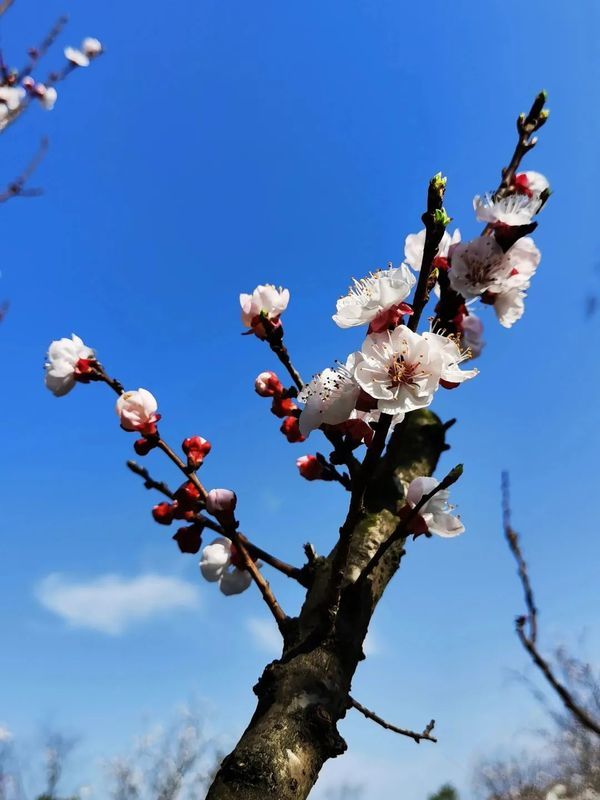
181, 512
267, 384
357, 430
189, 540
187, 495
143, 446
163, 513
283, 407
291, 430
310, 468
196, 448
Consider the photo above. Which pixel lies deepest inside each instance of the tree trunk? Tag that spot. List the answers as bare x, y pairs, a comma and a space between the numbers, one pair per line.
303, 695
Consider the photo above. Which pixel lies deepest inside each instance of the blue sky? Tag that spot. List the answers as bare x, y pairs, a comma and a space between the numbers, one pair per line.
220, 145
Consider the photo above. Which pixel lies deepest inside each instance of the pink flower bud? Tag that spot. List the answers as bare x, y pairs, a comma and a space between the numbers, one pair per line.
221, 501
310, 467
267, 384
291, 430
137, 411
283, 407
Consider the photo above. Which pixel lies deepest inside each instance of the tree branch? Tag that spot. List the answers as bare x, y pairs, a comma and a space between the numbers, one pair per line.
417, 737
526, 625
256, 552
16, 188
435, 221
403, 528
355, 510
527, 125
37, 53
5, 5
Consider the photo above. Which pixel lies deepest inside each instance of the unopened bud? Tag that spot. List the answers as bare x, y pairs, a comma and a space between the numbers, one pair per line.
283, 407
187, 495
267, 384
163, 513
310, 468
143, 446
195, 448
221, 501
189, 539
291, 430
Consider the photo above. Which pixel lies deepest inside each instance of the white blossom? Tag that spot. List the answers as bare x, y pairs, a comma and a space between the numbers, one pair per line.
62, 363
216, 566
508, 298
534, 184
90, 48
47, 97
415, 242
137, 410
266, 300
436, 511
370, 296
11, 97
478, 266
452, 356
330, 396
400, 369
471, 328
514, 209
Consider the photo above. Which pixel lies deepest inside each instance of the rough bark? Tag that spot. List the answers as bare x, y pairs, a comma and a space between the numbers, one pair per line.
303, 695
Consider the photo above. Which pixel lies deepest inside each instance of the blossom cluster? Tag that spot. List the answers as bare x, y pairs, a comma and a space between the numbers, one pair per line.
18, 88
395, 371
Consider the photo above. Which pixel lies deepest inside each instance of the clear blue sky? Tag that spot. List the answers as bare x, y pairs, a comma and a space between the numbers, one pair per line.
218, 145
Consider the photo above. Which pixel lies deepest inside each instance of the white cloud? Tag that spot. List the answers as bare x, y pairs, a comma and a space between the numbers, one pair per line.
112, 603
5, 734
265, 635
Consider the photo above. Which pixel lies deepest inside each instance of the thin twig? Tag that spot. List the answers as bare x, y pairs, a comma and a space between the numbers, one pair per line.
275, 341
256, 552
149, 481
403, 528
231, 532
16, 188
526, 625
435, 221
425, 735
37, 53
5, 5
527, 125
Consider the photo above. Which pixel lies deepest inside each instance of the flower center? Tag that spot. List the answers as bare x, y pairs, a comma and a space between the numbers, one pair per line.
401, 372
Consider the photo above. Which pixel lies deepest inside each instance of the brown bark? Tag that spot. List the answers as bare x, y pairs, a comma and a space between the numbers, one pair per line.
303, 695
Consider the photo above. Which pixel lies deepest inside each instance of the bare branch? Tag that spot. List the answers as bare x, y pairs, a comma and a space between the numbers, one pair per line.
37, 53
16, 188
526, 625
256, 552
425, 734
5, 5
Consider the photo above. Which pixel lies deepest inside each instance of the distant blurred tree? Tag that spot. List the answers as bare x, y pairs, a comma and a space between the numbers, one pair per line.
445, 792
568, 768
